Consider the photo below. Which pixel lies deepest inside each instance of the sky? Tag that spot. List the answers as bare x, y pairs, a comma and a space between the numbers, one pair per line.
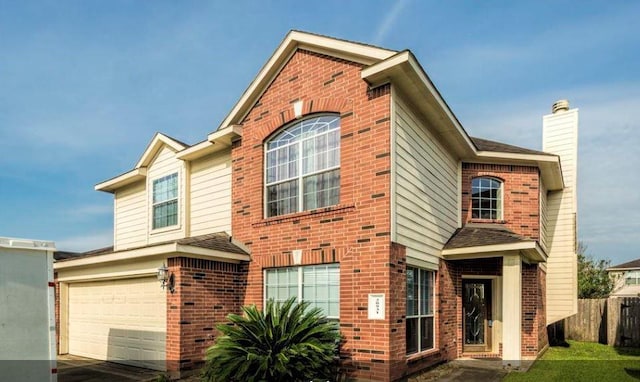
84, 86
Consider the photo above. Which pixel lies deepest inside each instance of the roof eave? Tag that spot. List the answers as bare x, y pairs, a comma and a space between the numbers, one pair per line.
216, 142
404, 72
119, 181
161, 251
156, 143
531, 251
549, 165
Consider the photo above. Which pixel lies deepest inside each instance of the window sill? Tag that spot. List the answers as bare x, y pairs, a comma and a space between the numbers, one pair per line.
488, 221
164, 229
337, 209
424, 354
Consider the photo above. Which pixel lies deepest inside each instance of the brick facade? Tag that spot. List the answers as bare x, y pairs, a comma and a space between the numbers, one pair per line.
355, 233
534, 333
521, 196
205, 293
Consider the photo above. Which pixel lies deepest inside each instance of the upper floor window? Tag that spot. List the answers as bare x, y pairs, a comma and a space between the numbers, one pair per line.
486, 198
165, 201
302, 166
632, 278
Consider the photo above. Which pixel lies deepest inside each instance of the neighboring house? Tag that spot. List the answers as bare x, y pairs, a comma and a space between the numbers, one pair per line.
27, 348
627, 279
340, 177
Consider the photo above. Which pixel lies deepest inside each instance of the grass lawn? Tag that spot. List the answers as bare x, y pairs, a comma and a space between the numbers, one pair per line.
583, 361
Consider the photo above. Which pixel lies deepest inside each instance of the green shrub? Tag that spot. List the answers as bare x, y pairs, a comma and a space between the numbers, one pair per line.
285, 342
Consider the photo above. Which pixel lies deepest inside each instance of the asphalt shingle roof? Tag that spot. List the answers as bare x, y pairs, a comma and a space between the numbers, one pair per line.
216, 241
487, 145
631, 264
475, 235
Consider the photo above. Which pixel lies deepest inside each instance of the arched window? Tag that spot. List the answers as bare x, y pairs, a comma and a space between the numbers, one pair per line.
486, 198
302, 166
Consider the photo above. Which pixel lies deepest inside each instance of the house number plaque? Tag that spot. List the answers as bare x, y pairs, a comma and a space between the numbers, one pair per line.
376, 306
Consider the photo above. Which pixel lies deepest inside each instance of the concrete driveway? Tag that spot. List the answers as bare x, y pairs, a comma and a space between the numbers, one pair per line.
72, 368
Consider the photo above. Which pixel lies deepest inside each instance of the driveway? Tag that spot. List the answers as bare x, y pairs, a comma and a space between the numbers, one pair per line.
72, 368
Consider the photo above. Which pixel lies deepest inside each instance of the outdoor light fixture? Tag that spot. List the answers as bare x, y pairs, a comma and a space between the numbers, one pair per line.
166, 279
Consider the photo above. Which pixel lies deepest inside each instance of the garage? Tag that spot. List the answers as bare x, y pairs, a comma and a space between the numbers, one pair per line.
121, 320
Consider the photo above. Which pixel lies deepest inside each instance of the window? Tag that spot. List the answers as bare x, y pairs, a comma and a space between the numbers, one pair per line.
486, 198
318, 284
302, 166
420, 323
632, 278
165, 201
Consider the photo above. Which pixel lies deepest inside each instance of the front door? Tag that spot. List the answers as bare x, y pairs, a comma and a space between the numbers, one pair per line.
476, 315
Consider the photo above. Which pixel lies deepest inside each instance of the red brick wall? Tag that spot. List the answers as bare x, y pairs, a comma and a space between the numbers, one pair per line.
534, 332
355, 233
205, 293
521, 199
543, 339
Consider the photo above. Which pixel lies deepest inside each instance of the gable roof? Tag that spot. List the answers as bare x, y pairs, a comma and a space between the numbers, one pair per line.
294, 40
139, 172
630, 265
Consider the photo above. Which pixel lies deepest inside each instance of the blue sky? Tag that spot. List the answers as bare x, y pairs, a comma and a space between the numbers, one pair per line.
84, 85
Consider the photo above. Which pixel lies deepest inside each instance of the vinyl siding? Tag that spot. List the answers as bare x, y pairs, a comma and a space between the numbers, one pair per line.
560, 134
130, 216
211, 194
426, 178
543, 216
166, 163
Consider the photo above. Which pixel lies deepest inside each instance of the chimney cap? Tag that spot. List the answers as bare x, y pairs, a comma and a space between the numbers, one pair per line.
559, 106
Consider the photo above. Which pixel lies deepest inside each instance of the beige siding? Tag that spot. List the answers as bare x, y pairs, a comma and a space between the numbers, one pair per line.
560, 136
165, 163
426, 196
130, 216
211, 194
543, 216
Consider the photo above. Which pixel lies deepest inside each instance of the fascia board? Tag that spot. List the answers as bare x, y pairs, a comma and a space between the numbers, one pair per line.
531, 250
122, 180
158, 141
403, 66
489, 248
161, 250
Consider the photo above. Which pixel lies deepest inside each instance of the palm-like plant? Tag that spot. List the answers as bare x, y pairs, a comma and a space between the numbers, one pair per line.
285, 342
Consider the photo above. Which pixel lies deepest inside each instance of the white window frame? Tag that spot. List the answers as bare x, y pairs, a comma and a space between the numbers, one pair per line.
632, 275
500, 212
420, 301
153, 205
300, 177
300, 283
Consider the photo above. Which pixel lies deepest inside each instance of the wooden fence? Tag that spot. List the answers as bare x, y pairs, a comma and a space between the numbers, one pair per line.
614, 321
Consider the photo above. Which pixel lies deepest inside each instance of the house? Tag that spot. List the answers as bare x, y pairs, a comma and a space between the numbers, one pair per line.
340, 177
627, 279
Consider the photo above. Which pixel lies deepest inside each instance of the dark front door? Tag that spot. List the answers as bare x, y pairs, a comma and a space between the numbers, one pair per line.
476, 315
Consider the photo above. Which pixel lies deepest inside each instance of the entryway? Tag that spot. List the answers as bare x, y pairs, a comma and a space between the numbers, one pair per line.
477, 322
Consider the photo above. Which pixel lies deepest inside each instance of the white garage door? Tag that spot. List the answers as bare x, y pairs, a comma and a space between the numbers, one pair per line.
122, 321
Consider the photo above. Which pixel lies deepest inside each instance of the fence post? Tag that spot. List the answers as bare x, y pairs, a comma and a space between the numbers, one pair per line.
613, 315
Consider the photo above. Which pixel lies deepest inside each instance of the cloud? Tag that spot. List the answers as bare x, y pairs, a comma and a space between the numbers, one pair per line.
86, 242
389, 21
609, 137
